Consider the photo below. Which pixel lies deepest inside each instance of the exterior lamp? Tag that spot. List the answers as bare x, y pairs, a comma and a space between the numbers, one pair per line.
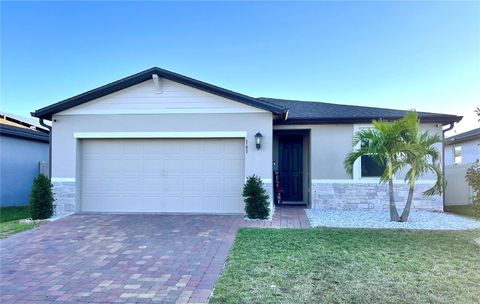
258, 140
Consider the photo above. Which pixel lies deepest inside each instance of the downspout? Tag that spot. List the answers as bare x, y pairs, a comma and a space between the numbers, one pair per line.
49, 147
443, 161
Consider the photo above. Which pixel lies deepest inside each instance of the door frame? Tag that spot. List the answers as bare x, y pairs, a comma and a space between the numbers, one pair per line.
306, 159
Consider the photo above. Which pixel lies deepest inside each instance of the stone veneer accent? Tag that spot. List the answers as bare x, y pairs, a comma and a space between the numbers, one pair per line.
271, 196
370, 196
64, 193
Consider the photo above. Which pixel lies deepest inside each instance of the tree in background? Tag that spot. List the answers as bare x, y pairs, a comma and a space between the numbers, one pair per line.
41, 198
473, 178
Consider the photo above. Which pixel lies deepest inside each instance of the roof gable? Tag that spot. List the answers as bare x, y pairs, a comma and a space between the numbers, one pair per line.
47, 112
160, 97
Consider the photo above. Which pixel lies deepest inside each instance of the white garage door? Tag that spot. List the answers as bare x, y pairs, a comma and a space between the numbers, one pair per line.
162, 175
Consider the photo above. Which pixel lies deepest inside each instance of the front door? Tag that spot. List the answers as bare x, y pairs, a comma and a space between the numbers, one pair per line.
291, 167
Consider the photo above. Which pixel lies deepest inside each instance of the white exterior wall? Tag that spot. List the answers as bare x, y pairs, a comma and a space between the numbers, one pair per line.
470, 152
458, 192
141, 110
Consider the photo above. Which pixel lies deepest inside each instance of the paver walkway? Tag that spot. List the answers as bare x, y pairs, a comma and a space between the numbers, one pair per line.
107, 258
286, 216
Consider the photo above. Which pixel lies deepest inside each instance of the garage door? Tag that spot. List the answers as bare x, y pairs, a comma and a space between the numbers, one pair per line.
162, 175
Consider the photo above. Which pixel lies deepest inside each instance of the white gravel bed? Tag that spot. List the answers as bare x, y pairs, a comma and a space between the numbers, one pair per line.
424, 220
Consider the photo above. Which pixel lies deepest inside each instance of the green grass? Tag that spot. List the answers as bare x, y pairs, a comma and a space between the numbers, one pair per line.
466, 210
9, 217
325, 265
14, 213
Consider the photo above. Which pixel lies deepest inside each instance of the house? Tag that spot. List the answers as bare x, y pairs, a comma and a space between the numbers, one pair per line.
158, 141
461, 151
462, 148
24, 146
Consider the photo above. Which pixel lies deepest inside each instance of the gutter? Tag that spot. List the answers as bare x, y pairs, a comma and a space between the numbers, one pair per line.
450, 127
49, 147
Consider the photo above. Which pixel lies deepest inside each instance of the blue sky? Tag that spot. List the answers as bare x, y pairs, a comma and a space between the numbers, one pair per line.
423, 55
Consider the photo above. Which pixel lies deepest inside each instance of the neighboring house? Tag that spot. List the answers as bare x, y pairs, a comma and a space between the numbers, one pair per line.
462, 148
461, 151
23, 154
158, 141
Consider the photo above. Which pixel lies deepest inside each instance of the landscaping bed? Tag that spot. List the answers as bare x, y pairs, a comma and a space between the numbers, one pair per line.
380, 219
328, 265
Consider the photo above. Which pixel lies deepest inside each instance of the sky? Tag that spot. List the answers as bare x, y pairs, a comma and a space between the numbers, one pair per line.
405, 55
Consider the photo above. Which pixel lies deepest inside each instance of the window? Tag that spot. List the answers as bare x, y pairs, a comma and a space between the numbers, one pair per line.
366, 166
457, 154
369, 167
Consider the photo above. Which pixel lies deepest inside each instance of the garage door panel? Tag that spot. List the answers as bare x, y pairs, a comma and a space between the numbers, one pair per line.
152, 167
233, 200
231, 185
194, 167
233, 167
214, 166
173, 167
162, 175
213, 203
132, 167
233, 147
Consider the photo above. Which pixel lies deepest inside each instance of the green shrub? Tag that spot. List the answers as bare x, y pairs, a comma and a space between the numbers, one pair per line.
256, 198
473, 178
41, 198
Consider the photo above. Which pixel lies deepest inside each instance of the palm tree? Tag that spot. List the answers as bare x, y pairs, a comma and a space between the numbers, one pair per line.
383, 143
421, 156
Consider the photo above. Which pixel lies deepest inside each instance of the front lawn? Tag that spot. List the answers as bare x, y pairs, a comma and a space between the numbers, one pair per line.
326, 265
9, 217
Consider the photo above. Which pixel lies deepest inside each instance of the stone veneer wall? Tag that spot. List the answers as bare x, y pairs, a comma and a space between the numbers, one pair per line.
370, 196
271, 198
64, 193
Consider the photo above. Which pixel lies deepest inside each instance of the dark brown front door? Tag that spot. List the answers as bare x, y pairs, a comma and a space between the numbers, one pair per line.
291, 167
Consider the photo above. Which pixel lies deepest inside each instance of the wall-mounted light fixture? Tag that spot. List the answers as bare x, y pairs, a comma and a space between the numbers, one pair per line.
258, 140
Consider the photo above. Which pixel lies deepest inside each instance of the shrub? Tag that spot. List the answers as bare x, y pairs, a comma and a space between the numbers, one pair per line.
256, 198
473, 178
41, 198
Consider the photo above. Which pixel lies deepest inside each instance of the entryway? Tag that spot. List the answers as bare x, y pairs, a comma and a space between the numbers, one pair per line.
291, 167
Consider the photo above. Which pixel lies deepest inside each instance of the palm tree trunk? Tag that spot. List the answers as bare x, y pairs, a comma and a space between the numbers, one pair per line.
408, 205
394, 217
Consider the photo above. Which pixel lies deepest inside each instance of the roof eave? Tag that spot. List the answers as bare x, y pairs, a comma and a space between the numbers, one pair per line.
24, 133
444, 120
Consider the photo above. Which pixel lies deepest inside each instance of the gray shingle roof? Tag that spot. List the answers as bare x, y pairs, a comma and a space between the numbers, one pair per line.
24, 133
472, 134
322, 112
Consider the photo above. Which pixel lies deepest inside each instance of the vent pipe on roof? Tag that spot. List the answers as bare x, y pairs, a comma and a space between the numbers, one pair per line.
157, 83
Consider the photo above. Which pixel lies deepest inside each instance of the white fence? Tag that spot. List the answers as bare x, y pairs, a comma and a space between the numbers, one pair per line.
458, 192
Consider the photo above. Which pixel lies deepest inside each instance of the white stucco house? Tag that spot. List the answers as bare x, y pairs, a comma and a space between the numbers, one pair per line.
158, 141
463, 148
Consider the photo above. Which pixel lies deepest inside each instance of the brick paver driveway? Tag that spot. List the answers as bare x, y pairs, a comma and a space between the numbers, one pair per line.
117, 258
